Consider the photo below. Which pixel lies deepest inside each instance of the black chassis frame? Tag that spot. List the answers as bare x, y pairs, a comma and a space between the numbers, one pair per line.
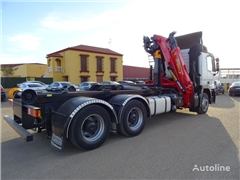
50, 101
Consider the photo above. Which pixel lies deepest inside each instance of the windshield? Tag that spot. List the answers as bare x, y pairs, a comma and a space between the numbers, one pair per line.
34, 85
65, 84
236, 84
84, 84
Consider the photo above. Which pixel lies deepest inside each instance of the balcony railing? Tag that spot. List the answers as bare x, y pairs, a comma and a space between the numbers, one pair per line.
58, 69
50, 69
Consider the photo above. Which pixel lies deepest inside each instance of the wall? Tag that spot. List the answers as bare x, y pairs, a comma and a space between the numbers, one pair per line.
31, 70
36, 70
21, 71
70, 63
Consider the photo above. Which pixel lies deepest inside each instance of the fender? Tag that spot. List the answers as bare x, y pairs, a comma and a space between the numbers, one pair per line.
63, 117
119, 101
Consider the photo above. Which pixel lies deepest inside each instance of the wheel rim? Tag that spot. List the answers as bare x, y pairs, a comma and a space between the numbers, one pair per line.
92, 127
135, 118
204, 104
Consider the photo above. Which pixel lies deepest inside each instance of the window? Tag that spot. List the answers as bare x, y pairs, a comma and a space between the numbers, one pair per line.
55, 84
99, 64
113, 69
83, 63
66, 84
84, 79
99, 78
34, 85
209, 63
113, 78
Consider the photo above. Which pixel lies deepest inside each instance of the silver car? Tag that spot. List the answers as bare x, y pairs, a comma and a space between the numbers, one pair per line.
61, 85
33, 86
40, 82
109, 82
86, 85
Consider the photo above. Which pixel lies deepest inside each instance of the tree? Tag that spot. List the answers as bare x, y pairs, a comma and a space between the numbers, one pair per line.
8, 70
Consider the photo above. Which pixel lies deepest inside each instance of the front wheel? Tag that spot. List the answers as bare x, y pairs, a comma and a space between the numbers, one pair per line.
90, 128
133, 119
204, 104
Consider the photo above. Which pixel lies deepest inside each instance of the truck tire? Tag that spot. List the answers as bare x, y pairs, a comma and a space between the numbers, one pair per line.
90, 128
203, 108
133, 119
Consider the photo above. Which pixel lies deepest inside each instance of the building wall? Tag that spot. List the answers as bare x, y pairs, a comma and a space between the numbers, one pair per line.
70, 65
36, 70
132, 72
21, 71
29, 70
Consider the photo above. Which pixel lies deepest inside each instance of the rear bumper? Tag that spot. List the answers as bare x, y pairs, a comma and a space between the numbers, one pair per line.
19, 129
234, 92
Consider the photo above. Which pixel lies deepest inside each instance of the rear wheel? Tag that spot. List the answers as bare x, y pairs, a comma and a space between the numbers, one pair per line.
133, 119
90, 128
204, 104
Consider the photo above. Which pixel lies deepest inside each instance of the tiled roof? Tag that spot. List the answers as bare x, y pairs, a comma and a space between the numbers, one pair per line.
54, 55
86, 48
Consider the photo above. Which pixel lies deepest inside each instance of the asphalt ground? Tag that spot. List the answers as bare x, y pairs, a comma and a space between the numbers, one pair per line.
181, 145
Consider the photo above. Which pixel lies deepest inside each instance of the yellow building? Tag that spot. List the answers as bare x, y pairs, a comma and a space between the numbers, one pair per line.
27, 69
84, 63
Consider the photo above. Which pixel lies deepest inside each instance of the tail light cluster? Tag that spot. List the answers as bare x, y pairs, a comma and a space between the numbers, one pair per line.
34, 111
10, 101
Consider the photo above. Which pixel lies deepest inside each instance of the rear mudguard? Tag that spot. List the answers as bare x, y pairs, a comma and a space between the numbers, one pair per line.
119, 102
62, 118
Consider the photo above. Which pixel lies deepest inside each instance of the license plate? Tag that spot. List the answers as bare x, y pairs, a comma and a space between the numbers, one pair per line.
57, 141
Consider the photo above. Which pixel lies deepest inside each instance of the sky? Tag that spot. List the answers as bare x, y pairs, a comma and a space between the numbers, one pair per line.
30, 30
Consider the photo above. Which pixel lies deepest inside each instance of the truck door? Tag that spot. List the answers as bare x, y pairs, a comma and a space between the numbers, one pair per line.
206, 69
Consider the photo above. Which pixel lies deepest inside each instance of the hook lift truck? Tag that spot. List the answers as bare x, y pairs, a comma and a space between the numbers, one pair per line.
183, 78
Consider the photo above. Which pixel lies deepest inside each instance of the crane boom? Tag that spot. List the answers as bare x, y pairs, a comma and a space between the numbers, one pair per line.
167, 56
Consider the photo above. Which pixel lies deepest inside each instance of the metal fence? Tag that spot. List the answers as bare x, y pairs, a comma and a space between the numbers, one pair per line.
10, 82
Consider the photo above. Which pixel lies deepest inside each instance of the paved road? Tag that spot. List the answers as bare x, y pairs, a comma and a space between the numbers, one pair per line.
172, 146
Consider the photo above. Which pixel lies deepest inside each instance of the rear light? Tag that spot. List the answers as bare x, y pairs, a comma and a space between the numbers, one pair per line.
34, 111
10, 102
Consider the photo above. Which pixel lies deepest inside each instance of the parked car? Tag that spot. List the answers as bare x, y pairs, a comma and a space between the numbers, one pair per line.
61, 85
218, 87
40, 82
33, 86
140, 82
126, 82
3, 94
109, 82
86, 85
234, 89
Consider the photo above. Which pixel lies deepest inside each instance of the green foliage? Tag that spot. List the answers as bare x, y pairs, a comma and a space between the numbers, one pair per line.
8, 70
